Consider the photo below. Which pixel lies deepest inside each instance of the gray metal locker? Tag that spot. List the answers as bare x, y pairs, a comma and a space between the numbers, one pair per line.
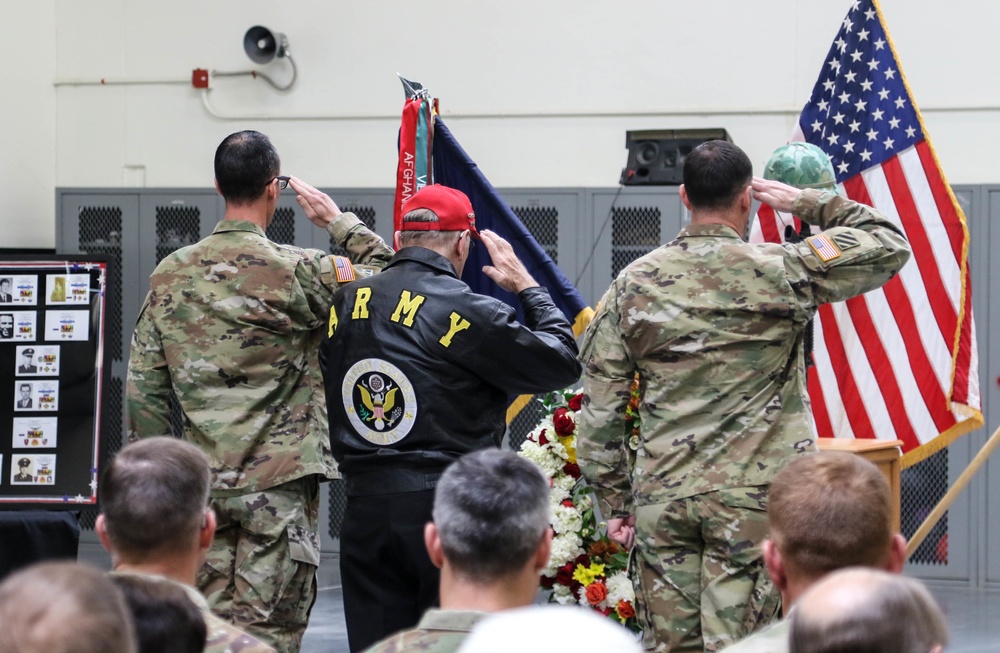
947, 552
628, 223
986, 241
107, 223
171, 219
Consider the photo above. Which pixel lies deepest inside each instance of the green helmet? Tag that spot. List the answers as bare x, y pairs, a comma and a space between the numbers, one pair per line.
802, 165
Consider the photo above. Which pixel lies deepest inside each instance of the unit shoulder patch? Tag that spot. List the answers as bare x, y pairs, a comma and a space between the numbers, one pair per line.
845, 240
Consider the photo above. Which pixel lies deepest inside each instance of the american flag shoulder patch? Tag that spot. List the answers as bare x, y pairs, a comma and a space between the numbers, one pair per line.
823, 247
345, 271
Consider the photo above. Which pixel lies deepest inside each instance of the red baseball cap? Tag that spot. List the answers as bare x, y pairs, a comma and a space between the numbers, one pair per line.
452, 207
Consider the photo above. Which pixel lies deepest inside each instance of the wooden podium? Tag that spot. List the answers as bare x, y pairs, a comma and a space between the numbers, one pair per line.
885, 454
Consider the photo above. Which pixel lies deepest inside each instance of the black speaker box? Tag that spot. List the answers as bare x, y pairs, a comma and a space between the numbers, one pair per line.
656, 156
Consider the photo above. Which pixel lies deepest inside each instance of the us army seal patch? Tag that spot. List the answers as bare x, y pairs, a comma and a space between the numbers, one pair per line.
379, 401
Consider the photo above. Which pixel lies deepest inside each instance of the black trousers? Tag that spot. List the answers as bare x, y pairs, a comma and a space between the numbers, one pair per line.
389, 580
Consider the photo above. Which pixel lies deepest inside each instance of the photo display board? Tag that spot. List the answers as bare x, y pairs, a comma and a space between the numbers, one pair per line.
53, 374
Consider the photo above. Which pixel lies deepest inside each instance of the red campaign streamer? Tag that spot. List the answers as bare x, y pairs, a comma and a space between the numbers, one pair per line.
406, 176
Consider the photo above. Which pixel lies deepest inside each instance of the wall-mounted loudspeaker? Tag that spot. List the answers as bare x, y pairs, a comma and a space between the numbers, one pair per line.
656, 156
262, 45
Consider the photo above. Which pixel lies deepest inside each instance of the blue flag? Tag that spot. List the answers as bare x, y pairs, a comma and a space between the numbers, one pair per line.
454, 168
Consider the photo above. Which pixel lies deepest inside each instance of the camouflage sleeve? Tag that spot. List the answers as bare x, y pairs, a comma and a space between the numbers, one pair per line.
319, 278
858, 250
607, 380
364, 247
147, 392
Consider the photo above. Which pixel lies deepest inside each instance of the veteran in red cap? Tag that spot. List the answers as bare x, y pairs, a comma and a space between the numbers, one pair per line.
418, 371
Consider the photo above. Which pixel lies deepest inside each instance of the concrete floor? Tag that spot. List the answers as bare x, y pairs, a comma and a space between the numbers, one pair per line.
973, 614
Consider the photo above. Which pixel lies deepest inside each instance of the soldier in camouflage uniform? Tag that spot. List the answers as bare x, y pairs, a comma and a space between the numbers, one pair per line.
231, 327
713, 326
491, 539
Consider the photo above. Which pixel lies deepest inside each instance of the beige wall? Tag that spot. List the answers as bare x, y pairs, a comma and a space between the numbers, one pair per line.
539, 93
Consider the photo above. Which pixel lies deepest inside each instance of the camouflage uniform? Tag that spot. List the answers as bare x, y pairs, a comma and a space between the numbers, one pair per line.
222, 637
714, 328
231, 327
439, 631
773, 639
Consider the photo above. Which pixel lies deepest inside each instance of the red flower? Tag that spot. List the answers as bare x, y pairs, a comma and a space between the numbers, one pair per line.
563, 422
625, 609
547, 582
542, 440
576, 402
571, 469
564, 575
582, 559
568, 503
596, 592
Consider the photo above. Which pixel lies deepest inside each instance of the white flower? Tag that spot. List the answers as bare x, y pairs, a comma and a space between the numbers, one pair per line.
564, 482
620, 588
565, 548
566, 519
541, 456
562, 595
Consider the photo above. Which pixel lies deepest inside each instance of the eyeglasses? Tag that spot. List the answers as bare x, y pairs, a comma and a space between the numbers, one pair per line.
282, 181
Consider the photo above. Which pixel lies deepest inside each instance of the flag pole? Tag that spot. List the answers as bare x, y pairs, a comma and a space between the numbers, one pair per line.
952, 494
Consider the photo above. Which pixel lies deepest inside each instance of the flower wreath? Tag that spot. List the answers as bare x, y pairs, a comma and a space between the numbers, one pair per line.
586, 567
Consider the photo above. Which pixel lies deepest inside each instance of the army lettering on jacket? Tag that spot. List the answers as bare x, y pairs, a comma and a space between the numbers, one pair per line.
419, 368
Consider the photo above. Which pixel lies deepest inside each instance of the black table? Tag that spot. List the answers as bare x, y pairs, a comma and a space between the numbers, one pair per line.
28, 536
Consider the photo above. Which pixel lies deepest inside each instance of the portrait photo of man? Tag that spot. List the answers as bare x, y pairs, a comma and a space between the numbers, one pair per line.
23, 474
27, 364
24, 401
5, 296
6, 326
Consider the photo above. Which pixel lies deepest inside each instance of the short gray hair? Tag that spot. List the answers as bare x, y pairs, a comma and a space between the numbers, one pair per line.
866, 610
428, 239
491, 509
153, 495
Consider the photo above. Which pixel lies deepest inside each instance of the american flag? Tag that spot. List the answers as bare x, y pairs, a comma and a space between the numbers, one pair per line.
900, 362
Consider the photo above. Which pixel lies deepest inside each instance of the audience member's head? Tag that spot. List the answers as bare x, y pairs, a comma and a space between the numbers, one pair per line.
863, 610
63, 607
154, 498
165, 619
549, 628
828, 511
491, 518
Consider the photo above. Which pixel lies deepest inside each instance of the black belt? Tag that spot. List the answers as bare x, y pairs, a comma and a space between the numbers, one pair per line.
390, 481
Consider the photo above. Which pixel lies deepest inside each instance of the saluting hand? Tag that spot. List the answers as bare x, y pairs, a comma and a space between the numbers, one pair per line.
775, 194
507, 270
318, 206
